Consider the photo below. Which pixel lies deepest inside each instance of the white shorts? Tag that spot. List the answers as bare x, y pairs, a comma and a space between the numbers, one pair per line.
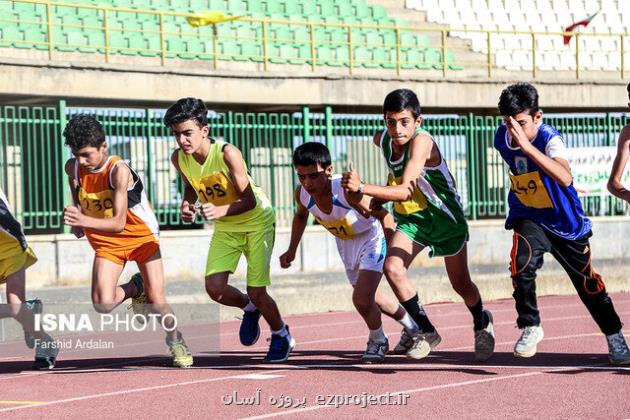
365, 252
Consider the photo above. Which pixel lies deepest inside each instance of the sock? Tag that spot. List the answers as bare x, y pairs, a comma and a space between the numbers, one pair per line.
415, 311
408, 324
479, 317
250, 307
282, 332
378, 335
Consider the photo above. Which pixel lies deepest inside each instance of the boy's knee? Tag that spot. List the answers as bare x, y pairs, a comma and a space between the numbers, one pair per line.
103, 306
215, 290
257, 294
393, 268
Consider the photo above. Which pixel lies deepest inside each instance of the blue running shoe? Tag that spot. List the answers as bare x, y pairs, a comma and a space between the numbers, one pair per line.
249, 331
280, 348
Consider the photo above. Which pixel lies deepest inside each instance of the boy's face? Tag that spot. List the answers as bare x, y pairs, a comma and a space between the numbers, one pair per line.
528, 123
189, 135
90, 157
313, 177
401, 125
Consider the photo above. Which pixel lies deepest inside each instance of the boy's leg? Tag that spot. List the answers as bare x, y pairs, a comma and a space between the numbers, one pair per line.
363, 298
45, 352
400, 254
106, 295
258, 249
459, 275
152, 271
530, 242
575, 257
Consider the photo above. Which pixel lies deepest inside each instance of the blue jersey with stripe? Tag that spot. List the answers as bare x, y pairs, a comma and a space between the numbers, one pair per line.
536, 196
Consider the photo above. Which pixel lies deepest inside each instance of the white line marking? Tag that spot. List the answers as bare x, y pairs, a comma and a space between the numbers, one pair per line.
122, 392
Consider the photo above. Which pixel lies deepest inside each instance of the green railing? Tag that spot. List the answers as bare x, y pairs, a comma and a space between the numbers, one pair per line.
105, 33
32, 155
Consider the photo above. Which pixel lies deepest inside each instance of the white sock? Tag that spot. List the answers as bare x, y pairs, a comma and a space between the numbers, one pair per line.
378, 335
250, 307
409, 324
282, 332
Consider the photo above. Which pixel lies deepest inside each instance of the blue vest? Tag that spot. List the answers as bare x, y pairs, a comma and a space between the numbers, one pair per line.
536, 196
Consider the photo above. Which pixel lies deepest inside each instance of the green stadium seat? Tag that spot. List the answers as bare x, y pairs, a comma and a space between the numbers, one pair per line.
378, 11
218, 5
274, 7
237, 7
81, 28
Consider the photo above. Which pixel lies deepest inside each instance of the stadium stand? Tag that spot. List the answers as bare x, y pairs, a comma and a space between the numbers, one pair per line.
596, 49
133, 28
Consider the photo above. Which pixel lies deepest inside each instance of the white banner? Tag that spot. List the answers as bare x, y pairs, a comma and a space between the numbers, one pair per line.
591, 167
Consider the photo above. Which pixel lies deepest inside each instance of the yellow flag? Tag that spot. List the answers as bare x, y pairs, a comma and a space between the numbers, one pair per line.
209, 18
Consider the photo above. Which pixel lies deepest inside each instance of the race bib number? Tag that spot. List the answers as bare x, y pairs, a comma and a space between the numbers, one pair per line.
216, 189
99, 204
417, 203
530, 190
340, 228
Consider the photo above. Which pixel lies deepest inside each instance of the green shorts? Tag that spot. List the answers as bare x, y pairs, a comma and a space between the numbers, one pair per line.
226, 249
444, 243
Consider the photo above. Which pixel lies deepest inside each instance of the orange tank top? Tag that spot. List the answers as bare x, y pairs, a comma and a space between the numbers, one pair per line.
96, 192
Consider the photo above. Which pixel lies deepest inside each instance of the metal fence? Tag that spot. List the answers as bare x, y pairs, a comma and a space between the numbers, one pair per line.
32, 155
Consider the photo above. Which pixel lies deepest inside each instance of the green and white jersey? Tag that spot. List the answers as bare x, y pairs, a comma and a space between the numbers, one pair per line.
434, 215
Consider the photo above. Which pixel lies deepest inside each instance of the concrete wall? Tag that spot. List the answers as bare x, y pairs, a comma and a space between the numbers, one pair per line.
85, 82
65, 260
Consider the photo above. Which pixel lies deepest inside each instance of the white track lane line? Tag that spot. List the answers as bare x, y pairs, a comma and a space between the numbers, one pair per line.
125, 392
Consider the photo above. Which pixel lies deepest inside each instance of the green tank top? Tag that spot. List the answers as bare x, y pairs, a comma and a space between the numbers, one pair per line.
213, 184
435, 206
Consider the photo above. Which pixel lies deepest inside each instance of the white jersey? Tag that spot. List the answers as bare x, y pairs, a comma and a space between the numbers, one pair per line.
360, 240
344, 221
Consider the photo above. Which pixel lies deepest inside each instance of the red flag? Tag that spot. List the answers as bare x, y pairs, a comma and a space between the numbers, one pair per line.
570, 28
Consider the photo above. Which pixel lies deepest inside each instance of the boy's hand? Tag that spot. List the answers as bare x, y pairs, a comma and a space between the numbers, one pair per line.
350, 180
187, 211
77, 232
211, 212
376, 204
519, 139
72, 216
287, 258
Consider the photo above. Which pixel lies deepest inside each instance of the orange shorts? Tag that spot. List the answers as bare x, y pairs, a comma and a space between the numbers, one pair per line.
139, 254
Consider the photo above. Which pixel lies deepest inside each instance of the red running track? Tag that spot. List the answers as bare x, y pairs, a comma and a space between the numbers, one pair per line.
570, 377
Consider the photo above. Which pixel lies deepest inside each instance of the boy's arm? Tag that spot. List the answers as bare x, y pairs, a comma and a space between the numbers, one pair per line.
363, 204
187, 208
73, 216
247, 200
615, 187
300, 219
556, 168
420, 150
74, 186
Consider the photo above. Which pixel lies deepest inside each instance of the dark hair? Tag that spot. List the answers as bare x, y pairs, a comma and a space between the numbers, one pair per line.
628, 88
518, 98
187, 109
82, 131
400, 100
312, 153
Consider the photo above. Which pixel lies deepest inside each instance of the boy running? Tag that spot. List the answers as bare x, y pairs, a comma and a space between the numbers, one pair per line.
112, 210
429, 214
15, 257
215, 173
546, 216
615, 186
359, 236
